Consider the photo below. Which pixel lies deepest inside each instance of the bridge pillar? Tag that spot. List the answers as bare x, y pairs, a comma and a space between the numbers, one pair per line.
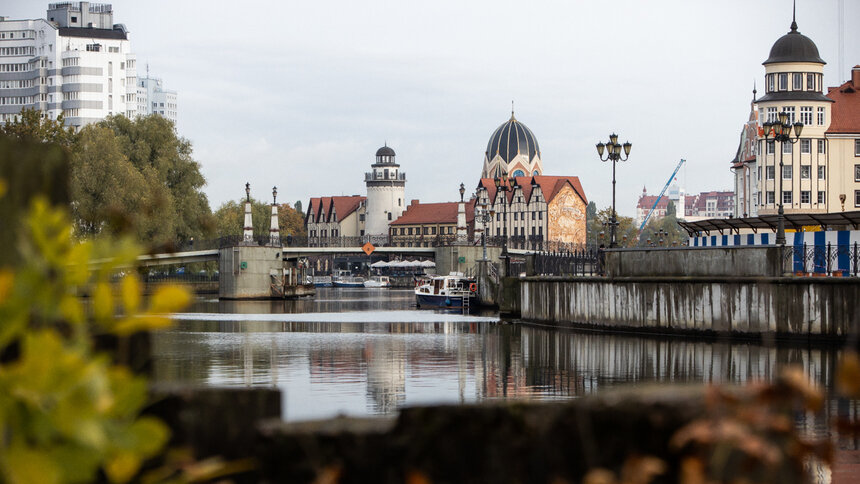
246, 271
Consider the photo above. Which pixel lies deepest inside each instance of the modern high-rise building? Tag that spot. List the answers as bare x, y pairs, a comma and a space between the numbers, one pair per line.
76, 61
152, 98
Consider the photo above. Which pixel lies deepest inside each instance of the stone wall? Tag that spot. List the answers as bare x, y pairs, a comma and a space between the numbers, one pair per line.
695, 261
448, 258
806, 308
245, 271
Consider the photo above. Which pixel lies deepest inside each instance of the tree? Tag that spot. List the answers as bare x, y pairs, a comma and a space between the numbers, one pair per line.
670, 209
672, 233
625, 232
230, 217
32, 125
139, 175
298, 206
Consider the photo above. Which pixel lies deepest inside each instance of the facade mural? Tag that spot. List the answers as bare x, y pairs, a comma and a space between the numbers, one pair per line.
566, 217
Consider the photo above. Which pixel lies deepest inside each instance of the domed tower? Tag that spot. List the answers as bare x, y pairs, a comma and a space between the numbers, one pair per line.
794, 84
513, 148
386, 186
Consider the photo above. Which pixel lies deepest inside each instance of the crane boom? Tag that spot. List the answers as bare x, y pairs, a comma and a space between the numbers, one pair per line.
641, 227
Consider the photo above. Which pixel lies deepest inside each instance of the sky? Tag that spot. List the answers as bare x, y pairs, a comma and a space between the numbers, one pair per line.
302, 94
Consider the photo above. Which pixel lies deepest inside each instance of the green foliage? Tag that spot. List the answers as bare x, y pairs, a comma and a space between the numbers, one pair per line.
31, 125
68, 413
298, 207
599, 222
669, 225
138, 176
230, 219
670, 209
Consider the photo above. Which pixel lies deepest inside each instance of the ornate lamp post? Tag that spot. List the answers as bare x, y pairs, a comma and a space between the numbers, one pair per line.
613, 153
501, 181
462, 192
274, 195
484, 216
780, 130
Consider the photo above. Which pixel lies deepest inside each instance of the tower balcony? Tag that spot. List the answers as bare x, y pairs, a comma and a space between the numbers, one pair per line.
371, 176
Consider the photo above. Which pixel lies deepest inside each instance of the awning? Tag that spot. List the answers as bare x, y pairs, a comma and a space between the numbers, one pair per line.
793, 221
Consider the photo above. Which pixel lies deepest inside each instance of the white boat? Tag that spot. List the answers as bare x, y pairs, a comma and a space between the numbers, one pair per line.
452, 291
348, 281
378, 281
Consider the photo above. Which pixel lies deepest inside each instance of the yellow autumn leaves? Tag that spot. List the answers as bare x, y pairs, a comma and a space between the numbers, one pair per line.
66, 411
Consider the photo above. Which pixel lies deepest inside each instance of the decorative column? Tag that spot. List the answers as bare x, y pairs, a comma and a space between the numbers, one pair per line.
248, 232
462, 231
274, 231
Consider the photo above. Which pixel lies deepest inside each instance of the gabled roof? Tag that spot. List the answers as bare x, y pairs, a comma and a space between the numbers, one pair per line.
322, 208
845, 114
434, 213
549, 185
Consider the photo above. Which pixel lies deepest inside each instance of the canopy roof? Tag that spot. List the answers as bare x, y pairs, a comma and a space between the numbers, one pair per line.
794, 221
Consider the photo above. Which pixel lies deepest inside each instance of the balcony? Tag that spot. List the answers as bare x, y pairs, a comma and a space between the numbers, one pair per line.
369, 176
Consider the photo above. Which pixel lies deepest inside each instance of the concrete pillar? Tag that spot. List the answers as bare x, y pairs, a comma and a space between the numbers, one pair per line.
462, 235
274, 231
248, 232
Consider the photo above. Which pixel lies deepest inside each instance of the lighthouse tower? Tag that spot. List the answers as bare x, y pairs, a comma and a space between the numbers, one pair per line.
386, 186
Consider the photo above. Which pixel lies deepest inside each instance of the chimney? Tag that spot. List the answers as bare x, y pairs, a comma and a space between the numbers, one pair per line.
855, 77
413, 202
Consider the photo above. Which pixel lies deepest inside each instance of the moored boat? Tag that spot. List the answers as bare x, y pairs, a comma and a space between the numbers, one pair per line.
348, 281
451, 291
378, 281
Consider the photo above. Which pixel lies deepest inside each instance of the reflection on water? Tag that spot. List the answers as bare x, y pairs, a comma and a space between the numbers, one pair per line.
364, 361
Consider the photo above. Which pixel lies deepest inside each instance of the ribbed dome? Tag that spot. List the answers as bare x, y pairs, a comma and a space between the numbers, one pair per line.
794, 47
511, 139
385, 151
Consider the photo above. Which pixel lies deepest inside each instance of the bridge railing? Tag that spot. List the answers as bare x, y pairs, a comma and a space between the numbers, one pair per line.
585, 261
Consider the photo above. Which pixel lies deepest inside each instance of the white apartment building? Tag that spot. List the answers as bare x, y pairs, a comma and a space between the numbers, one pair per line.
76, 61
152, 98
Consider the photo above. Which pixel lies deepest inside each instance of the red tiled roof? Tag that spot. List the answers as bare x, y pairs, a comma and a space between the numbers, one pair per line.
434, 213
323, 207
845, 116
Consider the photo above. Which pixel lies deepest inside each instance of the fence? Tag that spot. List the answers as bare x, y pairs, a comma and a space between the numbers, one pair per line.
829, 259
578, 262
439, 240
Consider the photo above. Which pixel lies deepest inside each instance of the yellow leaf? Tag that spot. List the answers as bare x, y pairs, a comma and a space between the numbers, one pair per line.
130, 290
122, 467
71, 309
2, 187
150, 435
169, 299
147, 322
7, 277
848, 375
102, 302
24, 466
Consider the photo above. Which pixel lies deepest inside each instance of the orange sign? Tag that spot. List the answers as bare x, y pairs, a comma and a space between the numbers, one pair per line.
368, 248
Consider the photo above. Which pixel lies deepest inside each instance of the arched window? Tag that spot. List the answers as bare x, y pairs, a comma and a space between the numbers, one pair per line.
535, 173
519, 173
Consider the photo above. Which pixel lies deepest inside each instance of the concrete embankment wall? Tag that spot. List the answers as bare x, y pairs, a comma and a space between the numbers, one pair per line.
783, 307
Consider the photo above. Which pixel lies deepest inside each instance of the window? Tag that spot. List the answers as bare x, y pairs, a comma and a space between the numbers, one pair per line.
857, 147
805, 172
821, 197
540, 215
769, 172
786, 172
786, 148
806, 115
515, 215
797, 81
783, 82
432, 230
389, 215
806, 146
534, 217
74, 19
790, 111
771, 114
857, 198
786, 197
804, 196
810, 82
857, 173
771, 147
821, 172
770, 82
770, 197
410, 230
822, 146
821, 116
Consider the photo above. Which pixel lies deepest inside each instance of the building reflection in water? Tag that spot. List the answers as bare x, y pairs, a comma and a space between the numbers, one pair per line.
328, 368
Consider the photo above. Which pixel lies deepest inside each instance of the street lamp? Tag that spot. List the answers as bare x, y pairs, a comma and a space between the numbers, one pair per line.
780, 130
484, 216
462, 191
501, 181
248, 192
274, 195
613, 153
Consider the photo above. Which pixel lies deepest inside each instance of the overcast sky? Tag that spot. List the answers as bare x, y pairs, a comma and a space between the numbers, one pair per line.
301, 94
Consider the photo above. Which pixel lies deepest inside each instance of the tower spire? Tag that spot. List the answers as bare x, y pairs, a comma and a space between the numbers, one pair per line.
512, 109
794, 16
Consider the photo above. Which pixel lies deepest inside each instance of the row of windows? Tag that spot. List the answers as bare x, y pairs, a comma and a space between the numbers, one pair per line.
14, 67
794, 81
522, 232
418, 230
805, 172
805, 147
18, 34
788, 197
71, 61
12, 100
503, 216
27, 50
805, 115
16, 84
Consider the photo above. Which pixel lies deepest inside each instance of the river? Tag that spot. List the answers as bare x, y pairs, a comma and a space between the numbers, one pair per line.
363, 352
